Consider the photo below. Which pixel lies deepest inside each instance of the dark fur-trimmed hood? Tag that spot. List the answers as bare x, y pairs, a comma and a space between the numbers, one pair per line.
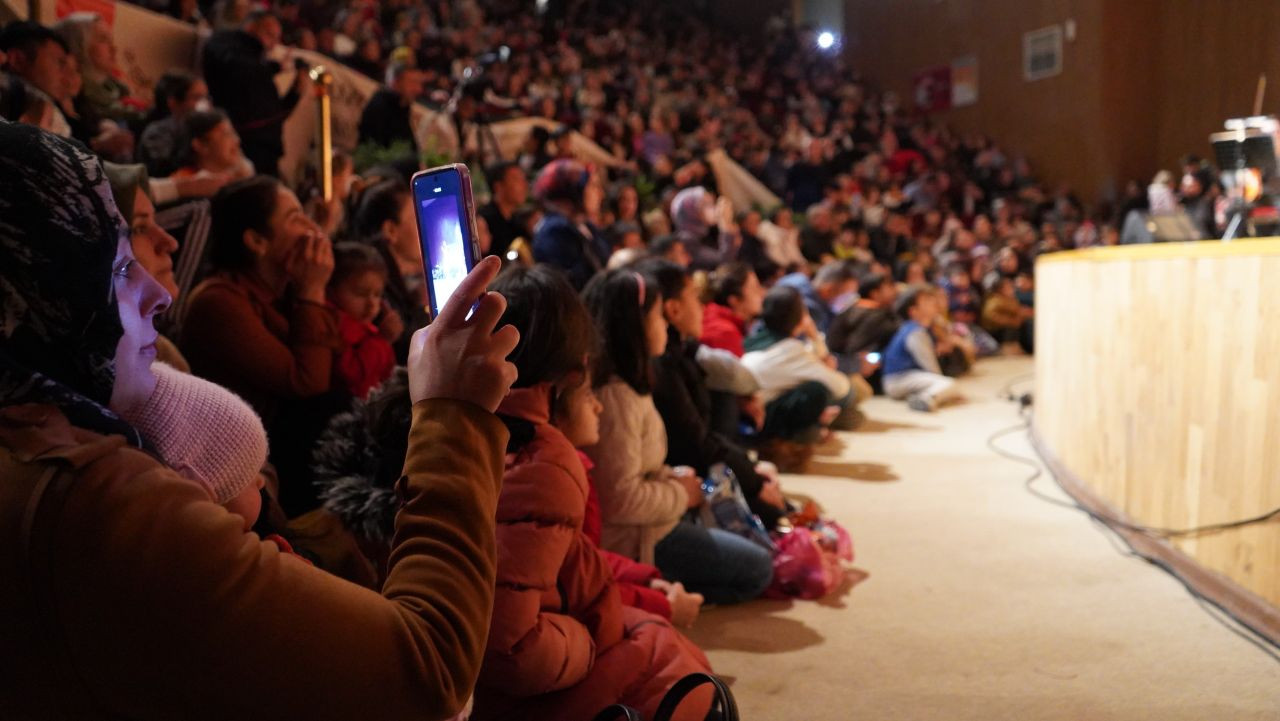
360, 456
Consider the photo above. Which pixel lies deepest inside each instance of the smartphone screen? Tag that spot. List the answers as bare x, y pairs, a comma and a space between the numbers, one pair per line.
445, 212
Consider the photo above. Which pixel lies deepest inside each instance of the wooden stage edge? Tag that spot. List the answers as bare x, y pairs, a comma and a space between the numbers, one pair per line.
1251, 609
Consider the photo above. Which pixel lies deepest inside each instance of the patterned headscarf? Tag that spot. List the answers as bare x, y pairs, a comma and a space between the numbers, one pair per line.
59, 230
689, 212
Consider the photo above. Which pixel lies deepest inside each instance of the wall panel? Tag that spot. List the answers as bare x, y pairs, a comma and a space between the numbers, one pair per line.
1144, 83
1158, 384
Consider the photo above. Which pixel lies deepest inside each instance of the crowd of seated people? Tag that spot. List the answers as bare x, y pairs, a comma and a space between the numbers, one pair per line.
642, 331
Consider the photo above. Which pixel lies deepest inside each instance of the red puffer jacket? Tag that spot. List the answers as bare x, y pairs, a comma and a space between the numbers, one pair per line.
562, 645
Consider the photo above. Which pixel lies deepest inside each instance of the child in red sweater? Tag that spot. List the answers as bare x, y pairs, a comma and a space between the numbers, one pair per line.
577, 415
367, 358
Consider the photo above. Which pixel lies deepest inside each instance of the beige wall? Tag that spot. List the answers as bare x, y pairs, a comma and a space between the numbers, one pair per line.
1144, 82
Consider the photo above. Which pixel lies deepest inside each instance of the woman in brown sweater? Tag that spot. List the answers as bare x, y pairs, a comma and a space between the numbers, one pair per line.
128, 592
260, 326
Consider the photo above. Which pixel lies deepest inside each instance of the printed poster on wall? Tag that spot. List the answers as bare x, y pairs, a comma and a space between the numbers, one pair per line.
932, 89
964, 81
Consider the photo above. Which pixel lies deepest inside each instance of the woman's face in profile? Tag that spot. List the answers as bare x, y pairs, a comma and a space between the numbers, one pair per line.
139, 299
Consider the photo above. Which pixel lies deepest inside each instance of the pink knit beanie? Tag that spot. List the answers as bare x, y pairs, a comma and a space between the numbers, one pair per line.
203, 431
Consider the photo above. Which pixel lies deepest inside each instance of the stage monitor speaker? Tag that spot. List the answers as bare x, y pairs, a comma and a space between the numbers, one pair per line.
1175, 227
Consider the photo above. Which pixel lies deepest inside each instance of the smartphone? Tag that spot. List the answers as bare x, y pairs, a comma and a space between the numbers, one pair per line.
873, 357
446, 216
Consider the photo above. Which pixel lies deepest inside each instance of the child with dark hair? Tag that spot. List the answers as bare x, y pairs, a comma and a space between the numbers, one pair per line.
963, 301
562, 645
736, 299
382, 217
642, 500
355, 289
1004, 317
683, 399
799, 383
911, 368
211, 146
671, 248
577, 415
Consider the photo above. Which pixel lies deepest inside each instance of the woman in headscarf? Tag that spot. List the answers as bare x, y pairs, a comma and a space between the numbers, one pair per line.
705, 227
128, 592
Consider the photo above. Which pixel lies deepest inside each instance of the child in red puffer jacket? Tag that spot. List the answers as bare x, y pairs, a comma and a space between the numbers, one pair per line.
367, 358
577, 415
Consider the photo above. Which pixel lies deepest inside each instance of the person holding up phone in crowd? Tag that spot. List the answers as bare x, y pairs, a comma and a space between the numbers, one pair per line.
115, 566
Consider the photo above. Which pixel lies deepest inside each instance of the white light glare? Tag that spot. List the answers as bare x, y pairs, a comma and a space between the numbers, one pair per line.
826, 39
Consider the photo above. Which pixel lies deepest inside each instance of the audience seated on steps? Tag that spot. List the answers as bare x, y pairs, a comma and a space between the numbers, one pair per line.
643, 502
178, 93
911, 368
261, 327
835, 281
148, 562
384, 219
211, 148
802, 390
561, 644
865, 327
681, 395
736, 297
366, 323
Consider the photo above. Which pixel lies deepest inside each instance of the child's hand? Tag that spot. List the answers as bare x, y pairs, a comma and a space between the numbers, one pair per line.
685, 476
771, 493
684, 605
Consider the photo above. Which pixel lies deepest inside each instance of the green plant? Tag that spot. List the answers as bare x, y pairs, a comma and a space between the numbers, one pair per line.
368, 155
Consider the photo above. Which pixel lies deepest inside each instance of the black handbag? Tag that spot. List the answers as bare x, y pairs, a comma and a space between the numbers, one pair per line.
723, 708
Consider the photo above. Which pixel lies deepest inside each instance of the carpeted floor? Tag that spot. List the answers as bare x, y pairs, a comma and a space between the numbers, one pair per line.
972, 599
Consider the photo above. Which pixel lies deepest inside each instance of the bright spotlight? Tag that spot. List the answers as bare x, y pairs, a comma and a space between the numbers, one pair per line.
826, 40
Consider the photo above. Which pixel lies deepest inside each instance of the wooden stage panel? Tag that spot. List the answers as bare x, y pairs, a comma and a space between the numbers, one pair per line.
1158, 385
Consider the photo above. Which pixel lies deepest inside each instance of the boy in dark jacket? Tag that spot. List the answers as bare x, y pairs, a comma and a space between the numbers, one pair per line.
682, 398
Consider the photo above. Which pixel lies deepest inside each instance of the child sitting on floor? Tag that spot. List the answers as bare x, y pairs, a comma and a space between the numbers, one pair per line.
911, 368
577, 415
367, 358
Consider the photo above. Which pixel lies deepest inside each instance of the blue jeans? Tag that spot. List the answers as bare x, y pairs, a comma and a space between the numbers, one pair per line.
725, 568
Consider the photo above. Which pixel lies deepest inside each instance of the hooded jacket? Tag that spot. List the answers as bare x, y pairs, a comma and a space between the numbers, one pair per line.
562, 645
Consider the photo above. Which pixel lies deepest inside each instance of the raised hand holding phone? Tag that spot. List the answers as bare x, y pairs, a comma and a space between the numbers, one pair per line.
461, 357
445, 213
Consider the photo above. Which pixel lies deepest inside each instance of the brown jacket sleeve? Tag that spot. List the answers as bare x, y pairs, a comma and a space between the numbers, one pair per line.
225, 339
171, 611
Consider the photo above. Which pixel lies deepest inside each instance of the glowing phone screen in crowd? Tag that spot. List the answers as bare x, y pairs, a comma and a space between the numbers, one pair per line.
442, 200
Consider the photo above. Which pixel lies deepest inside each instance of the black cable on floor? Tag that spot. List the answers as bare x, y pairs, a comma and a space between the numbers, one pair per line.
1211, 607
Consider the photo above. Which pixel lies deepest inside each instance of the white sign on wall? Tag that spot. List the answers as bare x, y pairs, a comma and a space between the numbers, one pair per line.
1042, 53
